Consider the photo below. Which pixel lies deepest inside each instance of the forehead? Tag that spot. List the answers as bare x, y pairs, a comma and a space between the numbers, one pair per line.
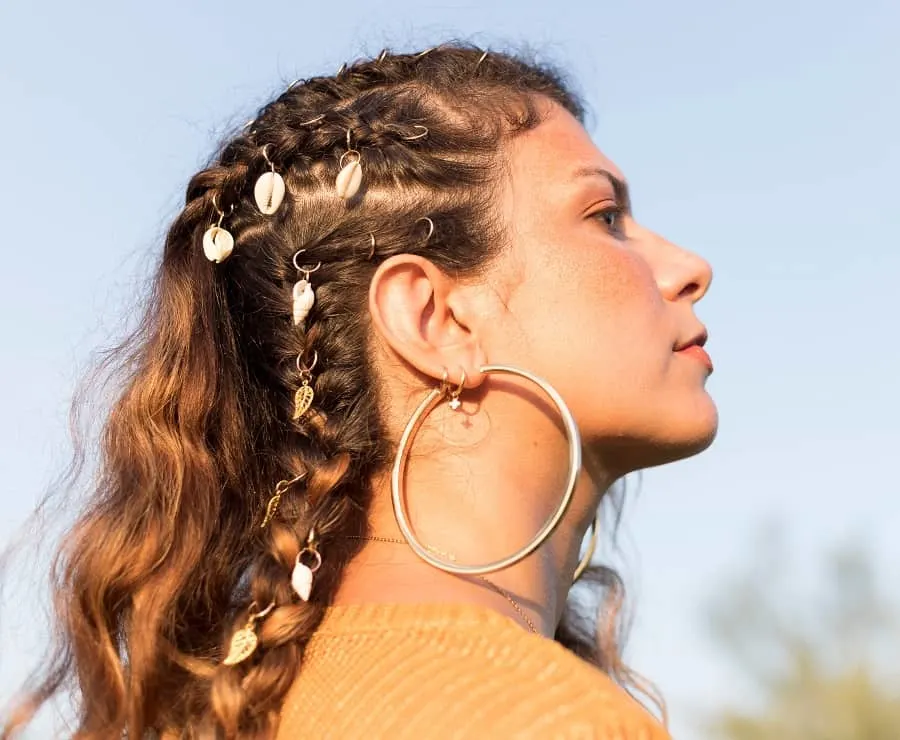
555, 154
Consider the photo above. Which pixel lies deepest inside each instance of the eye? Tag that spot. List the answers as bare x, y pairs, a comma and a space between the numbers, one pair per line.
611, 219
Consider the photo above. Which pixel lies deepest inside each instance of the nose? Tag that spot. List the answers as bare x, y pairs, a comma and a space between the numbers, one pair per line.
681, 274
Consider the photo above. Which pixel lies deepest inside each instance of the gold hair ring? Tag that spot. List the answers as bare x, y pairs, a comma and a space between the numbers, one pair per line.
311, 121
430, 225
423, 132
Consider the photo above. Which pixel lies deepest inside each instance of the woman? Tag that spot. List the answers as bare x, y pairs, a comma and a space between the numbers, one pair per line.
404, 338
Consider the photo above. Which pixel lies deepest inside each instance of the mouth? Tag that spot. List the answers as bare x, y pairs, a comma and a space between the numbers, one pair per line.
693, 348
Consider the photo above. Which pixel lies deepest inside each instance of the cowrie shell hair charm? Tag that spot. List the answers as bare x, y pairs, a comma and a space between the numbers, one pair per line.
269, 189
269, 192
301, 580
304, 300
218, 244
302, 575
349, 179
303, 294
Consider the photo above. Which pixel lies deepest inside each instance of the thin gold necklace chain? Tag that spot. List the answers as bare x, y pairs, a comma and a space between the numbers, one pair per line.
504, 593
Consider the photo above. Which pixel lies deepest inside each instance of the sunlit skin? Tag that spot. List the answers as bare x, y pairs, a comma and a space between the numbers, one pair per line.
583, 296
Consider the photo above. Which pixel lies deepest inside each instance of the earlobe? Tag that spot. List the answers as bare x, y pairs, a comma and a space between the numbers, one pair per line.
411, 302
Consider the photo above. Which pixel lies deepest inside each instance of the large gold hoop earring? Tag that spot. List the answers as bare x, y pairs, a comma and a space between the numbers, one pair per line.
591, 548
428, 404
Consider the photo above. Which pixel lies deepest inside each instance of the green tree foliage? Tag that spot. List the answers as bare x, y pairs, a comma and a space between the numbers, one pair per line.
822, 661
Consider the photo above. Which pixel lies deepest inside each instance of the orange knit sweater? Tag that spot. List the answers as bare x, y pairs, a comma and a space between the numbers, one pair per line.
441, 671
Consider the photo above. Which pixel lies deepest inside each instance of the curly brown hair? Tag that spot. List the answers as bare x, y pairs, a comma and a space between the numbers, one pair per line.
168, 554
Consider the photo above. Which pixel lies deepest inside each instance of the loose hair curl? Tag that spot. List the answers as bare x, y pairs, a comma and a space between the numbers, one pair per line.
168, 554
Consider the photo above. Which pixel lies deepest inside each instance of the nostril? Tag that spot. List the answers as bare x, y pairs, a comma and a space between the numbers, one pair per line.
690, 290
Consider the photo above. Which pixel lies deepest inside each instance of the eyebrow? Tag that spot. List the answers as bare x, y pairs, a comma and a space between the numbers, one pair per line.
619, 186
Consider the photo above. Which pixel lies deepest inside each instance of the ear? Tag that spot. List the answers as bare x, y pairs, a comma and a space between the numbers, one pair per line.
420, 313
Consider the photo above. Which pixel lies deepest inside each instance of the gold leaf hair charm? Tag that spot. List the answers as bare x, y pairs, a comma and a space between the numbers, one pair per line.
272, 506
304, 395
244, 641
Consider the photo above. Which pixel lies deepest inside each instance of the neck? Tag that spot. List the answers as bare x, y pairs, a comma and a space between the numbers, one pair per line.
532, 592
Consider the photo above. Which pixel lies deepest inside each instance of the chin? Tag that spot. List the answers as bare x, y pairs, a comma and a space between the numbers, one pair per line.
665, 439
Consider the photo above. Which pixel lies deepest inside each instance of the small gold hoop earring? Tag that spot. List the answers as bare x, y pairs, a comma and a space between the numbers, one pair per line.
428, 404
454, 393
591, 548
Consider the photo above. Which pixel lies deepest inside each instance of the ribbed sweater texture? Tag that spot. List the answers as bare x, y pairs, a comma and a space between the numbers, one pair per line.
442, 671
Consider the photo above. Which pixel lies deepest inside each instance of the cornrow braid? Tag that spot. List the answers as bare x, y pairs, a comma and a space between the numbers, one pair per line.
205, 428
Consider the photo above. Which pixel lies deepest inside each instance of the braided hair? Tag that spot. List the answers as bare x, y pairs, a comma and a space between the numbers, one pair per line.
168, 557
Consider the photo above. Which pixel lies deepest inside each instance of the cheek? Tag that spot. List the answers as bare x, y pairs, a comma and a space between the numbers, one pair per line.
595, 327
614, 307
601, 332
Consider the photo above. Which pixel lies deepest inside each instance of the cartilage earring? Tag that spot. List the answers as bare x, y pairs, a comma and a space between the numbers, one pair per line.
453, 393
218, 243
269, 189
302, 575
349, 178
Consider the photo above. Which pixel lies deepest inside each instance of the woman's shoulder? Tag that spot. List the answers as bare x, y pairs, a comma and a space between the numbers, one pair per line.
451, 671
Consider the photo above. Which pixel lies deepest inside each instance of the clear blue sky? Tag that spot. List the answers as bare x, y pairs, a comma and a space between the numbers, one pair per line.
763, 135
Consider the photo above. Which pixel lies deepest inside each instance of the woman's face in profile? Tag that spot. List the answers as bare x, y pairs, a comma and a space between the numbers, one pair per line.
598, 304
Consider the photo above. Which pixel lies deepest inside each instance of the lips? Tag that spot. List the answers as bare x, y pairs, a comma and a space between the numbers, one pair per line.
694, 348
697, 352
